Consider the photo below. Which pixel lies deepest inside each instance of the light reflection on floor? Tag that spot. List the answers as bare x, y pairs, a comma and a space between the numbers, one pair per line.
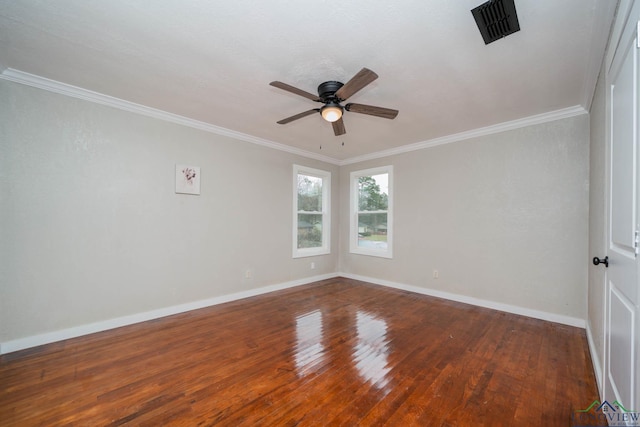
309, 348
369, 353
372, 349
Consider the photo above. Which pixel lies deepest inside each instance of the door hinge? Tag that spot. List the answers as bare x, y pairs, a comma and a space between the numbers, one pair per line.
635, 242
638, 34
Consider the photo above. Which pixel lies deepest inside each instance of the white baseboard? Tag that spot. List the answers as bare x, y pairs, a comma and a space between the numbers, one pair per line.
536, 314
77, 331
595, 359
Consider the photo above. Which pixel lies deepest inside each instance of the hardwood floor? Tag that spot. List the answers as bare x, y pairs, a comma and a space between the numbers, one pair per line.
336, 352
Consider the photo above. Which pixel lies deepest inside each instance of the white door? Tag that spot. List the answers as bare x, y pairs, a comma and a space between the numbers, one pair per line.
622, 325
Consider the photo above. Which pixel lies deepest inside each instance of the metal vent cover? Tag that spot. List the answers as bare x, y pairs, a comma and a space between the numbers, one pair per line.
496, 19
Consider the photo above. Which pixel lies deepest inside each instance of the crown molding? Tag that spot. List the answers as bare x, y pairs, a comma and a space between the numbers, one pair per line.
21, 77
32, 80
475, 133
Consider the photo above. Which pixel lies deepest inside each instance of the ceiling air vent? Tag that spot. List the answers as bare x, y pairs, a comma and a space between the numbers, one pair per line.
496, 19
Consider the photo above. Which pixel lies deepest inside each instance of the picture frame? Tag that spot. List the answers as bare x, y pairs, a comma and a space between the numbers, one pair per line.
187, 179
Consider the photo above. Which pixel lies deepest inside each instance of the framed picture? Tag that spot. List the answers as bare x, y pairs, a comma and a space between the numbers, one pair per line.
187, 179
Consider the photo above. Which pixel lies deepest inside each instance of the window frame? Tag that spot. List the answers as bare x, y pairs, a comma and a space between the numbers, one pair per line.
326, 212
354, 211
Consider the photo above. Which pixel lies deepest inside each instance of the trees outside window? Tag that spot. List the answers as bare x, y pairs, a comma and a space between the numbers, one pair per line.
371, 215
311, 211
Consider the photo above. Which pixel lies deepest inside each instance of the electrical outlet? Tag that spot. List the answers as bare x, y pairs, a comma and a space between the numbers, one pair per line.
436, 274
313, 265
248, 274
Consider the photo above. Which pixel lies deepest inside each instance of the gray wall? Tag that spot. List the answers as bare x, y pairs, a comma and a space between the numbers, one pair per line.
92, 229
502, 218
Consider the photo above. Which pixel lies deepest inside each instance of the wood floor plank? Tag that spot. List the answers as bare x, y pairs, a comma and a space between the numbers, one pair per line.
336, 352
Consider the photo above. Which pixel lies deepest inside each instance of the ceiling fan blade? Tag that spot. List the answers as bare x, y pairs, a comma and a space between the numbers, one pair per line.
338, 127
357, 82
298, 116
295, 90
386, 113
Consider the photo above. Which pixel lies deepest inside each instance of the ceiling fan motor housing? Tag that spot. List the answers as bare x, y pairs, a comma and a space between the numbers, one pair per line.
327, 90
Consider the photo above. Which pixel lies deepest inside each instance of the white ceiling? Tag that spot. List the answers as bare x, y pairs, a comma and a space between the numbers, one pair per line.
212, 61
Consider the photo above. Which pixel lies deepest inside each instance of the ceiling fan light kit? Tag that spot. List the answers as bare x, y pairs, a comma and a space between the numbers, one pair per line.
331, 112
331, 94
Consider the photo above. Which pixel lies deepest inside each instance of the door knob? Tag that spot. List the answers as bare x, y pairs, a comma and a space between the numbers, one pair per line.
604, 261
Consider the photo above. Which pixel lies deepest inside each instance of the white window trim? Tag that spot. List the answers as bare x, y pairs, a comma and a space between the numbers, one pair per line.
353, 214
326, 212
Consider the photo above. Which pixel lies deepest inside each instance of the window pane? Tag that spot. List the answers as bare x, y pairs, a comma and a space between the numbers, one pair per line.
373, 192
372, 230
309, 231
309, 193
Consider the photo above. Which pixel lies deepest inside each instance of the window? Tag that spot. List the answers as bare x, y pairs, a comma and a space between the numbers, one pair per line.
311, 216
371, 223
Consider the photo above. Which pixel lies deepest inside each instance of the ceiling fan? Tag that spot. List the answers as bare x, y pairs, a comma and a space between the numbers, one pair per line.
331, 94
